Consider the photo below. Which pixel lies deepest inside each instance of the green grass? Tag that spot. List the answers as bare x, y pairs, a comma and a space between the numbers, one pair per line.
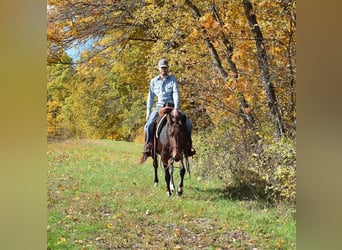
99, 197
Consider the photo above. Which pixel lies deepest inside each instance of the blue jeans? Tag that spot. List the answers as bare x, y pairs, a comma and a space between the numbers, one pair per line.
149, 128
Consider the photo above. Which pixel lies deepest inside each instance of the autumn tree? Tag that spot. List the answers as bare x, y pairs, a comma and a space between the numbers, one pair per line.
211, 27
207, 37
59, 78
264, 68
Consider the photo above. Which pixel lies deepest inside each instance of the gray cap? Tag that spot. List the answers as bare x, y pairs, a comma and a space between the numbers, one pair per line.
163, 63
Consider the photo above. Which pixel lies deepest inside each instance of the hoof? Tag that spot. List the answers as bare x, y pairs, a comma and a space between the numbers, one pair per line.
180, 192
156, 184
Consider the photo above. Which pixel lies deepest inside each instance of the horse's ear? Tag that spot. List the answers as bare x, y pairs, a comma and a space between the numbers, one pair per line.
168, 117
176, 116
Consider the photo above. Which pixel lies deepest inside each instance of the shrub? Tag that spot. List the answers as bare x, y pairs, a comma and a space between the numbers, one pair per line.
265, 172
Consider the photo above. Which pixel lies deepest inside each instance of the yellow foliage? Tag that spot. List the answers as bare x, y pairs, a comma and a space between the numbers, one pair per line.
54, 118
132, 45
140, 137
207, 20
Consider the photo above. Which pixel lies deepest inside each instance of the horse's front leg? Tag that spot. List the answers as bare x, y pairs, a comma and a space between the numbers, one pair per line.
182, 173
155, 165
167, 179
170, 168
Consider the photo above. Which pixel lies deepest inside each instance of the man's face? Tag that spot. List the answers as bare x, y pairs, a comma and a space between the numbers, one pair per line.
163, 70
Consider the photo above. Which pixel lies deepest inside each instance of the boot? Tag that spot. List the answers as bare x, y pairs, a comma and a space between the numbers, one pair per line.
190, 151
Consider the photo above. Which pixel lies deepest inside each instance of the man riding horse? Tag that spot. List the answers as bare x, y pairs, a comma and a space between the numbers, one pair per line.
165, 87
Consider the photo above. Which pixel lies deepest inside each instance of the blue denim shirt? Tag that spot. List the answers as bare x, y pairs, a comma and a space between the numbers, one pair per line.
166, 91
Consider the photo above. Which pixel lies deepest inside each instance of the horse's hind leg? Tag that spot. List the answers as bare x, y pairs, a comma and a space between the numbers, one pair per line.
155, 165
182, 173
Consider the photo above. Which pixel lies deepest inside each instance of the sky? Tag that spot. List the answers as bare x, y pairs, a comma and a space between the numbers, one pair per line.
76, 51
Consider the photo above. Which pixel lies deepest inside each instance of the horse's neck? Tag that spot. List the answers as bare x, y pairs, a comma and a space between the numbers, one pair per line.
163, 134
160, 124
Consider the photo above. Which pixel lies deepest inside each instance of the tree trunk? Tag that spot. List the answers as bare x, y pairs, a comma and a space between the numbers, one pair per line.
292, 77
264, 70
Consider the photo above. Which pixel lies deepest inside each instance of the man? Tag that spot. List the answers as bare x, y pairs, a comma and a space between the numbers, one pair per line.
165, 87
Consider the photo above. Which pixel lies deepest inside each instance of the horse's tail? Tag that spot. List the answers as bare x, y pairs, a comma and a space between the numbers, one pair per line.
143, 158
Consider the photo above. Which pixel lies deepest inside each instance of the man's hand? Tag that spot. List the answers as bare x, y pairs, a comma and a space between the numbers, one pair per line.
147, 116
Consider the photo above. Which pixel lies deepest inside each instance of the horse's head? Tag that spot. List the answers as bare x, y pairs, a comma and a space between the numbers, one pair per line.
176, 131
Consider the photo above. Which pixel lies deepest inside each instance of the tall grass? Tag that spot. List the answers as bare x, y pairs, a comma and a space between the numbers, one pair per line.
99, 197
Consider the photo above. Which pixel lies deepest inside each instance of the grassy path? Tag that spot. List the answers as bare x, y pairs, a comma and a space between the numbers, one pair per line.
99, 197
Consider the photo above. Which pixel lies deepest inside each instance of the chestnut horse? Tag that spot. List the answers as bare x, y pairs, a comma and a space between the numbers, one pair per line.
169, 143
